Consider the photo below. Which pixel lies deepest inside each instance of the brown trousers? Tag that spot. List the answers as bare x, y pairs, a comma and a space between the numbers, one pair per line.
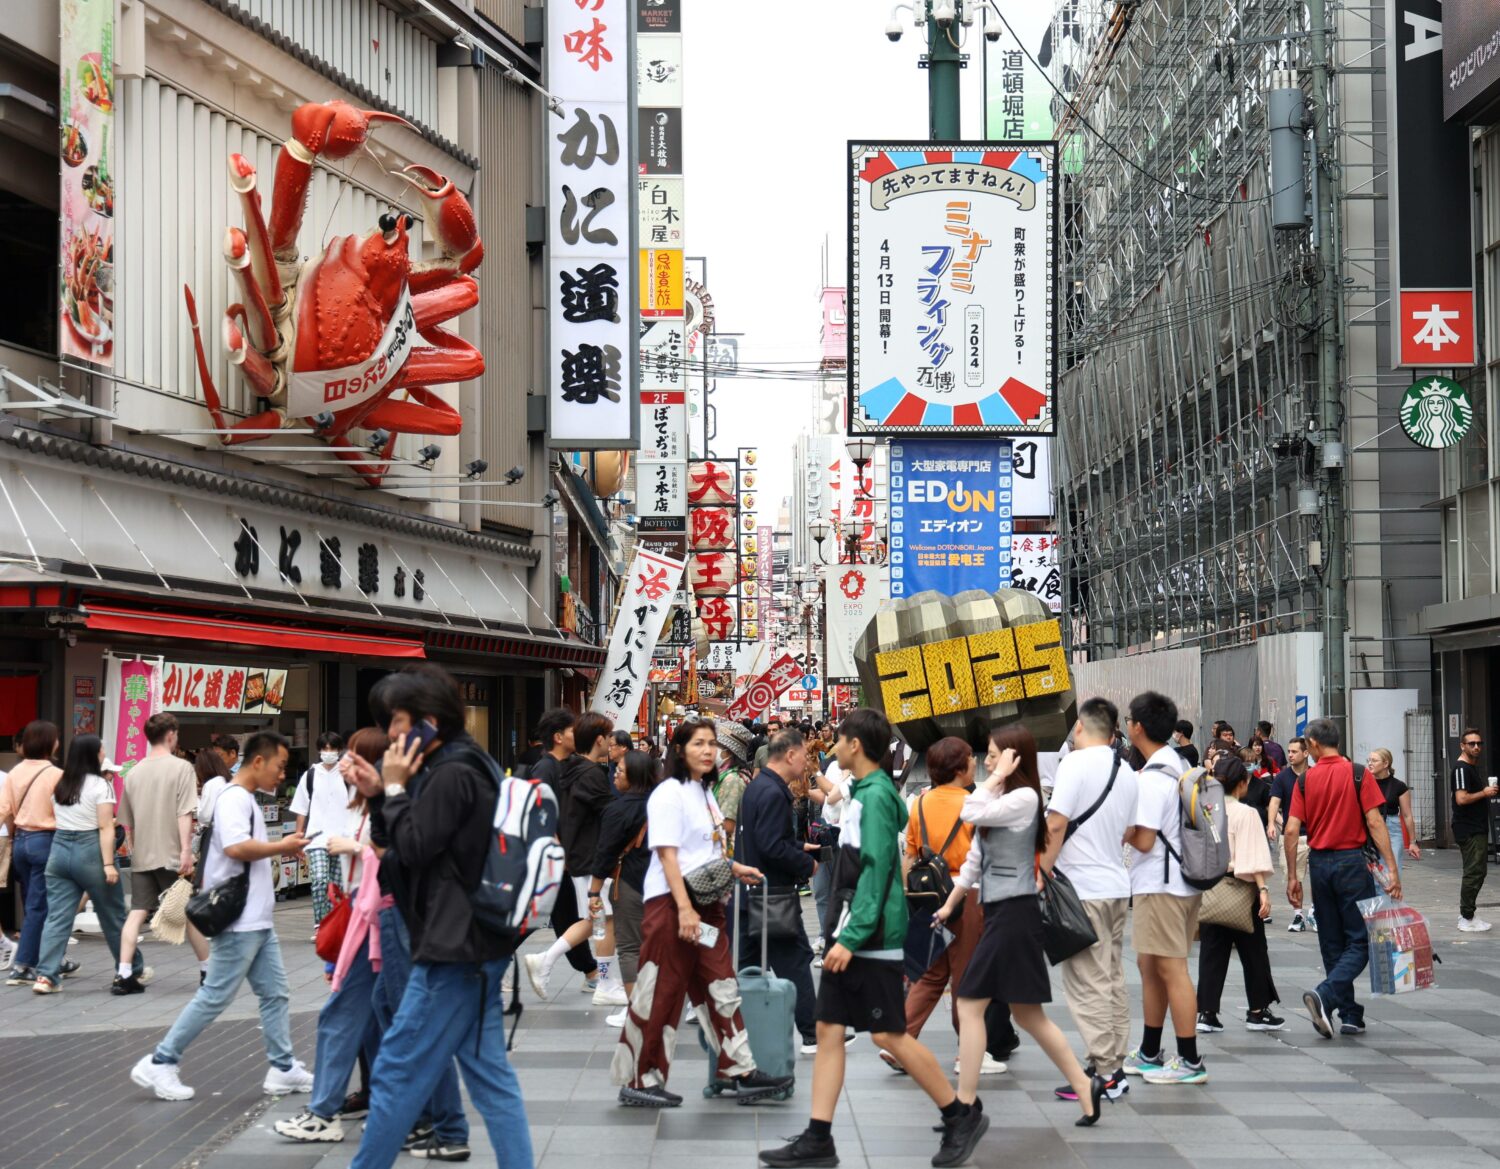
672, 970
925, 994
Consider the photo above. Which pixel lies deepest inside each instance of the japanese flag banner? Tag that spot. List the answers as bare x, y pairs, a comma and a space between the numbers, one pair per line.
649, 588
762, 692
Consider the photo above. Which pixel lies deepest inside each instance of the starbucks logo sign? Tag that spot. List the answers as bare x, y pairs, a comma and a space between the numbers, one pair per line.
1436, 412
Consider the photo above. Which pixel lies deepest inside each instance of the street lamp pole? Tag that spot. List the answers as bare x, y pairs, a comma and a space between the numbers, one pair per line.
944, 71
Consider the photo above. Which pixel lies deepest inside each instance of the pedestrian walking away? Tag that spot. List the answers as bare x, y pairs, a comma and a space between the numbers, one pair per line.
1471, 828
1342, 810
437, 838
82, 861
1249, 866
620, 865
1093, 804
1010, 962
157, 806
1397, 807
26, 808
685, 951
247, 950
1277, 810
865, 935
321, 805
1164, 905
767, 841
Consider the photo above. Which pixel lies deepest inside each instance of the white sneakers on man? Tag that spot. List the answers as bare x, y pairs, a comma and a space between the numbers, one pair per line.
295, 1079
611, 994
1473, 925
537, 973
7, 952
161, 1078
618, 1018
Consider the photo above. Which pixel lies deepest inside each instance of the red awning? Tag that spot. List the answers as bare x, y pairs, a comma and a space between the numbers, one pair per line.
194, 628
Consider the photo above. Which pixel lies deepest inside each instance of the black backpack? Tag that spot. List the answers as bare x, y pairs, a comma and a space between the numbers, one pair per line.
1372, 854
929, 884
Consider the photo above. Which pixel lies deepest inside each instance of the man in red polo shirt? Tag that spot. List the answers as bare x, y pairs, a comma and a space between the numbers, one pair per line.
1338, 814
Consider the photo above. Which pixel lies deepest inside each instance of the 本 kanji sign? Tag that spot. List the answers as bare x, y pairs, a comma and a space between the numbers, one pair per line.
1437, 328
952, 270
649, 588
591, 228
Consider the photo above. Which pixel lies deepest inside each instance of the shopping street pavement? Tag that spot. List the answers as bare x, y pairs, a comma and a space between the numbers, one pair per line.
1421, 1088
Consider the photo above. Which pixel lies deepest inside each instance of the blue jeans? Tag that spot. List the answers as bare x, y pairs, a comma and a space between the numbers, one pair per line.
1393, 826
75, 867
445, 1107
1340, 879
449, 1009
233, 958
343, 1026
28, 861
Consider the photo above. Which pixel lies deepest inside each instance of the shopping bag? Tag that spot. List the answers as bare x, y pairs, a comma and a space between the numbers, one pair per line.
1401, 958
924, 944
1066, 929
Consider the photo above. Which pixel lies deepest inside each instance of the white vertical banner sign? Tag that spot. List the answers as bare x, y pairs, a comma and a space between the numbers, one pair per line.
591, 296
649, 589
854, 593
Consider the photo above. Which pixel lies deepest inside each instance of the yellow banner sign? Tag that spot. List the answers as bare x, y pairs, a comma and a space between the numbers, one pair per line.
982, 669
661, 282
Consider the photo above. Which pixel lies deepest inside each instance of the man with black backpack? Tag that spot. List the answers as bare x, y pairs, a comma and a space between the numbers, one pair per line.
433, 811
1341, 807
1165, 905
1093, 805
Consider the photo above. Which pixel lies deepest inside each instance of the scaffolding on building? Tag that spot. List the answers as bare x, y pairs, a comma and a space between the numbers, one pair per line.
1187, 497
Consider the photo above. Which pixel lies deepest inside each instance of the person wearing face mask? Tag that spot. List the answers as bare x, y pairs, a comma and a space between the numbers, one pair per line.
321, 805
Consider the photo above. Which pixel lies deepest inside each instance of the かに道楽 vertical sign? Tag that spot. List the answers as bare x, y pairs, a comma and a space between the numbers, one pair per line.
592, 349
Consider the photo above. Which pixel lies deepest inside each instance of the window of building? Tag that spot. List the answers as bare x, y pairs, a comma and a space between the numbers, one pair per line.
1479, 570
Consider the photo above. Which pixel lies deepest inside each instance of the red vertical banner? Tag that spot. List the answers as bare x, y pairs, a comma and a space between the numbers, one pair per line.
139, 695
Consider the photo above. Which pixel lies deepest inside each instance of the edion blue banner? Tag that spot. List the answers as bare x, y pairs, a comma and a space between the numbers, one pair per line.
950, 516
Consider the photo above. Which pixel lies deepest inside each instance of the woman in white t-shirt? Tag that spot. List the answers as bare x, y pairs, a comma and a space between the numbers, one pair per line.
684, 944
82, 861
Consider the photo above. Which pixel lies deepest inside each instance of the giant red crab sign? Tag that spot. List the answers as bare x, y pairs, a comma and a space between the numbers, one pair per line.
330, 341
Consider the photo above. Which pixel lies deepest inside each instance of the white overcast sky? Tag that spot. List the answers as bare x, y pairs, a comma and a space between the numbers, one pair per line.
772, 94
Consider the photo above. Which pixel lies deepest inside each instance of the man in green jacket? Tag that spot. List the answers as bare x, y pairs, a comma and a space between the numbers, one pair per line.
862, 966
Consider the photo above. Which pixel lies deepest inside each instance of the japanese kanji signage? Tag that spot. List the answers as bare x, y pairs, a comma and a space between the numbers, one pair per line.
649, 588
87, 121
661, 282
854, 593
662, 488
659, 211
591, 230
663, 426
951, 282
132, 694
1033, 567
951, 516
1432, 252
765, 540
762, 693
203, 689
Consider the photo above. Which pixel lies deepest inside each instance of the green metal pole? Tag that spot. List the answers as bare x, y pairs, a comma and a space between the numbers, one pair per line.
944, 65
1330, 405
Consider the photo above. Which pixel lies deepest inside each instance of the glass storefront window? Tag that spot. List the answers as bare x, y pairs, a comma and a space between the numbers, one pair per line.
1451, 559
1479, 572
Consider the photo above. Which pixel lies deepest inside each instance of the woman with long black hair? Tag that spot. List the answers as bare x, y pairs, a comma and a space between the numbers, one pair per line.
82, 861
621, 861
1010, 964
684, 942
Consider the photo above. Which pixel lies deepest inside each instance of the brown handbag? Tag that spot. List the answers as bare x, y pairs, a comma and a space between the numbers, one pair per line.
1231, 904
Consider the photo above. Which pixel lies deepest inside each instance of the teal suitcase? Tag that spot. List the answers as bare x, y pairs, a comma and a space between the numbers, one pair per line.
769, 1007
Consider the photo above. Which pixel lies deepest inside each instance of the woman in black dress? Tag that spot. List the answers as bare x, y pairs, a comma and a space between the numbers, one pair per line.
1010, 964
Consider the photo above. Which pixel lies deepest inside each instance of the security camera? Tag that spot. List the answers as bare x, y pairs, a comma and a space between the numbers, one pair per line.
944, 13
993, 31
893, 31
514, 475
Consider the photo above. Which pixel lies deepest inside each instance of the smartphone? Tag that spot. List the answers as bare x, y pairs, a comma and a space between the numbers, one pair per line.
708, 935
424, 732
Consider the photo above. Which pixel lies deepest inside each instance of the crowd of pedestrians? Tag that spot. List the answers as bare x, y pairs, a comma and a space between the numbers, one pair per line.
673, 865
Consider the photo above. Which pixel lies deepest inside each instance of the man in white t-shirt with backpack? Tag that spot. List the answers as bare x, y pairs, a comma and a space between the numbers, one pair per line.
1164, 905
1093, 807
321, 805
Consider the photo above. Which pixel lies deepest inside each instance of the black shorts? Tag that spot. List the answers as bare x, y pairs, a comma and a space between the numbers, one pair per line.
867, 995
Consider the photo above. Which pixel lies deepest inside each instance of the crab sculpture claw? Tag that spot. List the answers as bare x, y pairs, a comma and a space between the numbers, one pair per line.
449, 218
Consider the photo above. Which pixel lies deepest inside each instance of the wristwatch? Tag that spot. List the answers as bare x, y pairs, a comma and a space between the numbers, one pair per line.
394, 789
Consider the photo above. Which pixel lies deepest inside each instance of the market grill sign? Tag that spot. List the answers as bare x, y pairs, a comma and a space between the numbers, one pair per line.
1436, 412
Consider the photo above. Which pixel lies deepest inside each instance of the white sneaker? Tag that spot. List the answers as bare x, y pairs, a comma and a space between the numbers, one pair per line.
536, 973
161, 1078
295, 1079
989, 1066
1473, 925
72, 941
308, 1127
618, 1018
611, 995
7, 952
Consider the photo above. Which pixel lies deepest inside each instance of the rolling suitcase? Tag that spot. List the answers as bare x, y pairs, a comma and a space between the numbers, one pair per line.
768, 1005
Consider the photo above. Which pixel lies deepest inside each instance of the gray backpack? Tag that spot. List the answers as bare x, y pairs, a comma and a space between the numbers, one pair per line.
1205, 829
